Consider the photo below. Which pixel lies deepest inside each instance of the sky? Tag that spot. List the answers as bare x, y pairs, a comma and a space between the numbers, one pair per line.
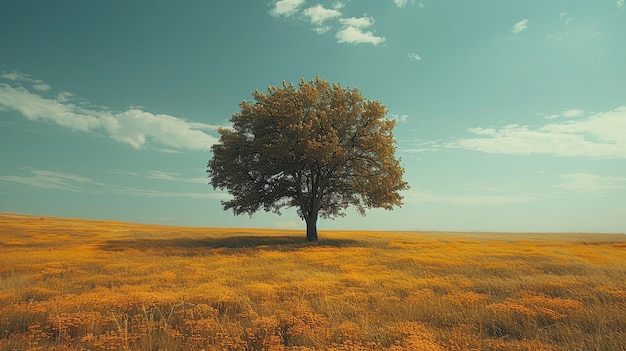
511, 115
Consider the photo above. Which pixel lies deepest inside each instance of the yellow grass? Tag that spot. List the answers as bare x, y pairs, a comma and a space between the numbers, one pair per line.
97, 285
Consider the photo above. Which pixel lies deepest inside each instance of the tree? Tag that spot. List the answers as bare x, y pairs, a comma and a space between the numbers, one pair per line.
318, 147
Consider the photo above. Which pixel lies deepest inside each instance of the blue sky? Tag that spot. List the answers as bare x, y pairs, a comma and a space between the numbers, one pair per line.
511, 115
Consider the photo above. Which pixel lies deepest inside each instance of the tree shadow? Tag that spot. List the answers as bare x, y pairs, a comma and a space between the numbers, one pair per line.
175, 245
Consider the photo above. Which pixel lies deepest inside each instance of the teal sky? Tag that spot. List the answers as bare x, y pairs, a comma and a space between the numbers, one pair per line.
511, 115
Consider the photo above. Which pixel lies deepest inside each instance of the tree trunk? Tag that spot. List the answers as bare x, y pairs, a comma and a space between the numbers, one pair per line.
311, 227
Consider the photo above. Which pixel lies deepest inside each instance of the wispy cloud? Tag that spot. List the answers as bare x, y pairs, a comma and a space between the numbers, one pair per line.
472, 200
353, 31
285, 7
21, 78
567, 17
585, 182
134, 174
601, 135
52, 180
403, 3
169, 151
131, 191
175, 177
417, 147
133, 126
400, 118
166, 176
619, 3
318, 14
520, 26
414, 57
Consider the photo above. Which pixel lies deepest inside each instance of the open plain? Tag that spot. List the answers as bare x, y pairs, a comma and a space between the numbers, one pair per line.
69, 284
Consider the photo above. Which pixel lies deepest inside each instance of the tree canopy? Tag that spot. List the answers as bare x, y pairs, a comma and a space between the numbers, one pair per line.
316, 146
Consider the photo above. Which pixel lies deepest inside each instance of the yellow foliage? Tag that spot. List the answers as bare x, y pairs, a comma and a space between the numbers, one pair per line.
101, 285
467, 298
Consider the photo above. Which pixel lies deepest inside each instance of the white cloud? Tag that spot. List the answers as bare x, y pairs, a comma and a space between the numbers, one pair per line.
400, 118
619, 3
64, 96
136, 127
585, 182
602, 135
520, 26
41, 87
567, 17
415, 57
353, 35
35, 107
321, 30
15, 76
169, 151
573, 113
420, 5
400, 3
133, 126
357, 22
19, 77
318, 14
353, 31
285, 7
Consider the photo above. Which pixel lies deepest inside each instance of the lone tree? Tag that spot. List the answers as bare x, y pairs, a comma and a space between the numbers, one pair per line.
318, 147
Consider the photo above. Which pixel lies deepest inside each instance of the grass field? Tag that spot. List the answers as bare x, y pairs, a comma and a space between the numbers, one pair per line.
69, 284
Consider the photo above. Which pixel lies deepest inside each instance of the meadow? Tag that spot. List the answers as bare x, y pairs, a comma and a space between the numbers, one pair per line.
68, 284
